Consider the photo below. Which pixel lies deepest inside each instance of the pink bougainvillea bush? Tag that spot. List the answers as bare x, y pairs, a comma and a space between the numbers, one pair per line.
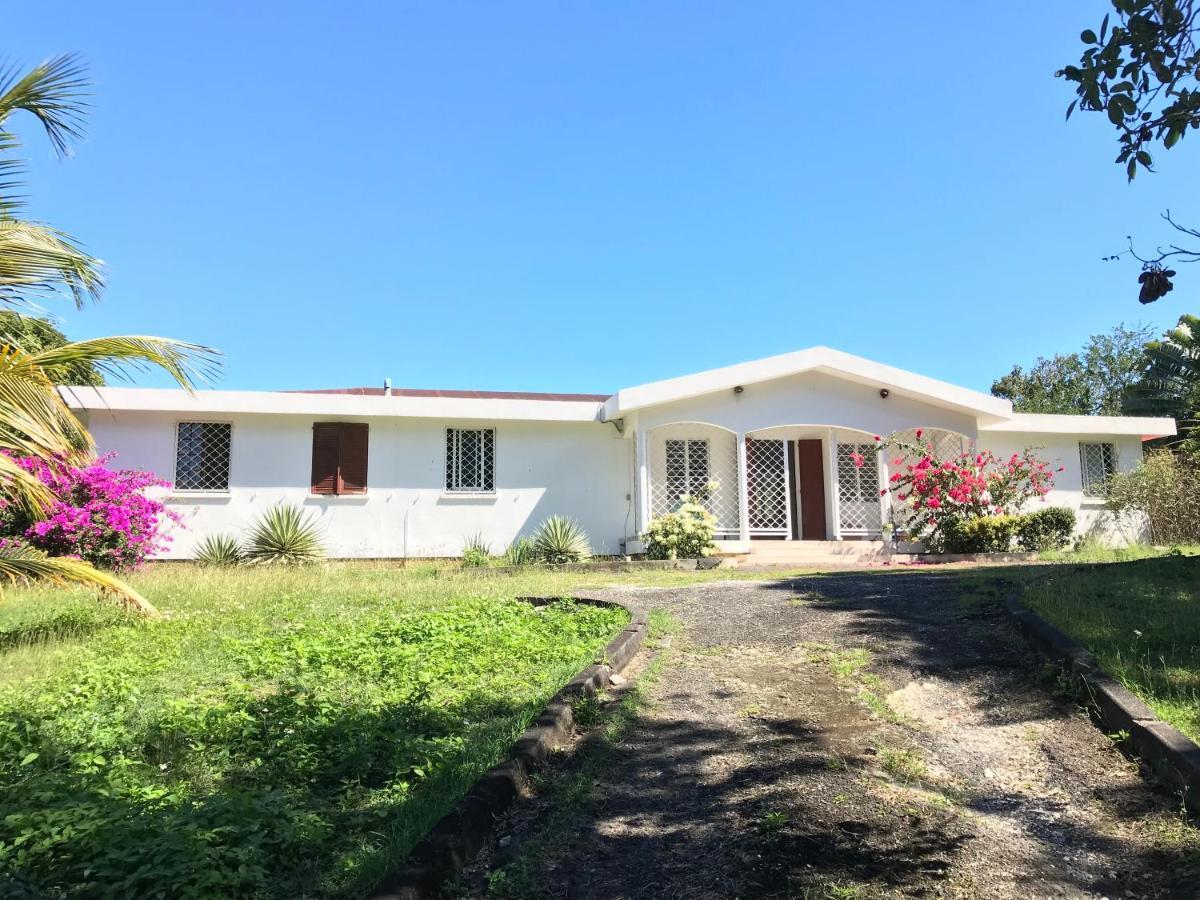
935, 494
100, 515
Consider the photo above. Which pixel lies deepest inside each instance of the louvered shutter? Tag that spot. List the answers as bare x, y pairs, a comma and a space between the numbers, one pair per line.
352, 459
325, 457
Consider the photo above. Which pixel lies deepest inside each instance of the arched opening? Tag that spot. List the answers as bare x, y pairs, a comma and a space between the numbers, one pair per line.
695, 460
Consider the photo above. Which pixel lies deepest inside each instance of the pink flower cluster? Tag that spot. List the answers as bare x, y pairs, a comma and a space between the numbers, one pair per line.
966, 486
100, 515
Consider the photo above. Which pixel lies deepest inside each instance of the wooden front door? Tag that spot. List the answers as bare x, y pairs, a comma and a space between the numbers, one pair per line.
810, 489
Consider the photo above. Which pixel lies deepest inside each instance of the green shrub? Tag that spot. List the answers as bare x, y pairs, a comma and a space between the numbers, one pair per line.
219, 550
1162, 496
686, 533
1050, 528
284, 534
476, 552
561, 540
520, 552
986, 534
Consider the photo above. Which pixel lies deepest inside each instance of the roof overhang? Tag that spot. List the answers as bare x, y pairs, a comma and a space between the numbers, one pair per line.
1114, 426
815, 359
220, 403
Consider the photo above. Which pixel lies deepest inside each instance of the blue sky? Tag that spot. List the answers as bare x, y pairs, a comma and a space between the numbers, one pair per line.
585, 196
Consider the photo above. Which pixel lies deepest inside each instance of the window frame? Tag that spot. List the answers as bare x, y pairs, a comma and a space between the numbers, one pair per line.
176, 490
1088, 487
459, 491
336, 494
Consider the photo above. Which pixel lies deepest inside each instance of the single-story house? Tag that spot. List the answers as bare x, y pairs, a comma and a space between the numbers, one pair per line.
414, 473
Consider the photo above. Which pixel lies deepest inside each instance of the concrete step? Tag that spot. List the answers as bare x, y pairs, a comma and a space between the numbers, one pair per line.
813, 549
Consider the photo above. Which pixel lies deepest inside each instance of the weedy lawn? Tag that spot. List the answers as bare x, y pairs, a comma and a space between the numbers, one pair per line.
278, 733
1141, 620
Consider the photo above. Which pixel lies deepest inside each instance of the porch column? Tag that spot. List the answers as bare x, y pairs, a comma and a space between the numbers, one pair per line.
743, 489
642, 490
835, 500
885, 498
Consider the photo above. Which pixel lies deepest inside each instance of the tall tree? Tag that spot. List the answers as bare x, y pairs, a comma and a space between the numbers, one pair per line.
1141, 70
36, 263
35, 333
1090, 382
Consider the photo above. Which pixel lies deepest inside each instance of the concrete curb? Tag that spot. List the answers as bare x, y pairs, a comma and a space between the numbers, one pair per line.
1169, 752
460, 834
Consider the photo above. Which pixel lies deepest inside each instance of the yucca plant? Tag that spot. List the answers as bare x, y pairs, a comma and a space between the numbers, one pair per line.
219, 550
284, 534
520, 552
476, 551
561, 540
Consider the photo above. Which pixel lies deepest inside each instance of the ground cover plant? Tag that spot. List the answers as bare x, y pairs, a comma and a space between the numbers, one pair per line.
278, 732
1142, 622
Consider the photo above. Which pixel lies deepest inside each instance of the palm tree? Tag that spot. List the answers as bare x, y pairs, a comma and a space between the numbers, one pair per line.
39, 262
1170, 380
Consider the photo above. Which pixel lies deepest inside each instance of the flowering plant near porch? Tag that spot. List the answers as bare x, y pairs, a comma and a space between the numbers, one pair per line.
100, 515
935, 495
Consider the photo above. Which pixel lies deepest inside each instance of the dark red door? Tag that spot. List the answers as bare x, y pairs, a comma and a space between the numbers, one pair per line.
811, 481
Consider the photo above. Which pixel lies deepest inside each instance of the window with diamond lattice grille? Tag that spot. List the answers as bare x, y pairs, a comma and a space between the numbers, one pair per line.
1098, 463
687, 467
858, 488
766, 486
470, 460
202, 456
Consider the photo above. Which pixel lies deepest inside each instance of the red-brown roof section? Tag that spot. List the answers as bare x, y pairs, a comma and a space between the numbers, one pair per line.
466, 395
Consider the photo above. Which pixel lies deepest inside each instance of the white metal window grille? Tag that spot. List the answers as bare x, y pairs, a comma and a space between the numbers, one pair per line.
1098, 462
470, 460
684, 464
946, 444
202, 456
858, 489
687, 467
767, 487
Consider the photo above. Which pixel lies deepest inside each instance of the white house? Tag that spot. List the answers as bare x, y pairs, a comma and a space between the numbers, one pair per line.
407, 473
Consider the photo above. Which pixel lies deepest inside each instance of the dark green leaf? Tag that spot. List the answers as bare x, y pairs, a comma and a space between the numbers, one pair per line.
1088, 36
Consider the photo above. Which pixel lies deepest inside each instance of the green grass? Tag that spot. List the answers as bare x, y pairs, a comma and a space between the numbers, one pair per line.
278, 733
1141, 620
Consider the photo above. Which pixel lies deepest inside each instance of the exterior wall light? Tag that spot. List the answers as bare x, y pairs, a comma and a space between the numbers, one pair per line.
883, 392
739, 389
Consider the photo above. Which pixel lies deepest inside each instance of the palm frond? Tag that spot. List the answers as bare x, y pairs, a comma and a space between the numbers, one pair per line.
34, 418
55, 92
188, 364
22, 565
35, 259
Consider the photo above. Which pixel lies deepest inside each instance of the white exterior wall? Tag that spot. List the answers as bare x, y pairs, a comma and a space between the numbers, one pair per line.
1063, 450
809, 399
579, 469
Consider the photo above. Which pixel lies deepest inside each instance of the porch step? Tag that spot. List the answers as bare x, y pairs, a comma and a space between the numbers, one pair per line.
806, 549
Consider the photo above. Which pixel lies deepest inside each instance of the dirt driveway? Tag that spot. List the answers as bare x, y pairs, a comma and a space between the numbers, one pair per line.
843, 736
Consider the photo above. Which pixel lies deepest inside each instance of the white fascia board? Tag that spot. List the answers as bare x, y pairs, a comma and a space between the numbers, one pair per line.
1045, 423
118, 399
820, 359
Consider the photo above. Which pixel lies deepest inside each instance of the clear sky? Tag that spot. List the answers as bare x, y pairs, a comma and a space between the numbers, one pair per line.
585, 196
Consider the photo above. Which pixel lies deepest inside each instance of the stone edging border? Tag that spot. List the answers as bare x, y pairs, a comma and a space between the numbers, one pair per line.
453, 842
1169, 752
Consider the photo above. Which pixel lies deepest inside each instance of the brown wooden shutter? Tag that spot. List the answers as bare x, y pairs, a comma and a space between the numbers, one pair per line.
352, 459
325, 457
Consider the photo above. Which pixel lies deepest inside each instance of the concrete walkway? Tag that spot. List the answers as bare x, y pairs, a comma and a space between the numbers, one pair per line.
847, 736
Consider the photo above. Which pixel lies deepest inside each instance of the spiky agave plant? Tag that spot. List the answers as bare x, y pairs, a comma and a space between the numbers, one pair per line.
561, 540
284, 534
219, 550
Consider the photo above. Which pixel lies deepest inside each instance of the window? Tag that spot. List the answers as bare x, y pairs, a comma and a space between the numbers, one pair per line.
687, 467
339, 458
202, 456
1097, 462
470, 460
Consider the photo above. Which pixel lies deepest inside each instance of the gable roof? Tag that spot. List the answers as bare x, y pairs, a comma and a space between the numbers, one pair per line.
814, 359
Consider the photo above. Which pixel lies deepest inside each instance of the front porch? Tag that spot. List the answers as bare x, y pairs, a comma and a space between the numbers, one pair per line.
786, 483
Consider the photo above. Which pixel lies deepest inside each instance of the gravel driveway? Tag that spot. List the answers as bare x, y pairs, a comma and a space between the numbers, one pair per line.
848, 736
